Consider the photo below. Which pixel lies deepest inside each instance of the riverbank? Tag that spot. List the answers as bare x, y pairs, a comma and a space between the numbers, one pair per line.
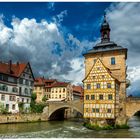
21, 118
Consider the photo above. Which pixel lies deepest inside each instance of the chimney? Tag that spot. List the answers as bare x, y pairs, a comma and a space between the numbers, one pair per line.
17, 63
10, 66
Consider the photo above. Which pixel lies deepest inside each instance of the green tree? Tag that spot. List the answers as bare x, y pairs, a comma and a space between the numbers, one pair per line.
33, 97
3, 110
21, 107
44, 98
36, 107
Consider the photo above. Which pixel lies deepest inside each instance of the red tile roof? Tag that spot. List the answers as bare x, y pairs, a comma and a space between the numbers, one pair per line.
78, 89
41, 81
60, 84
16, 69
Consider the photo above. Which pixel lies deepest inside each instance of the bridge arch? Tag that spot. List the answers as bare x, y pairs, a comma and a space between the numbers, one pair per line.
132, 106
60, 110
59, 107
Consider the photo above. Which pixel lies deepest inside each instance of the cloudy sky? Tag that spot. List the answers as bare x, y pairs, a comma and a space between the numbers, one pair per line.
53, 36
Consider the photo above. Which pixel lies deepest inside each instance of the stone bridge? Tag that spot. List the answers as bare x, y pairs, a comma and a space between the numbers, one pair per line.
54, 106
132, 106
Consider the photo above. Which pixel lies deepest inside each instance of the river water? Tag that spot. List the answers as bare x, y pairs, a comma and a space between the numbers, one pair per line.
66, 129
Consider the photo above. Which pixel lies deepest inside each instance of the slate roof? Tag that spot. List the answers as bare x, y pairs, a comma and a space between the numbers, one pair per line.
105, 47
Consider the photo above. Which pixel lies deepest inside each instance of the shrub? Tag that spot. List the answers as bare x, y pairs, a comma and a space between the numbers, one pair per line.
3, 110
37, 107
44, 98
21, 107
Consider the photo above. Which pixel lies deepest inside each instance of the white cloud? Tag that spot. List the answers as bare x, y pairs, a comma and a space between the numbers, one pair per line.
43, 44
60, 17
124, 19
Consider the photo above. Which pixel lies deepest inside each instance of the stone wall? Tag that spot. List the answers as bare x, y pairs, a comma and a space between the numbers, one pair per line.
132, 106
16, 118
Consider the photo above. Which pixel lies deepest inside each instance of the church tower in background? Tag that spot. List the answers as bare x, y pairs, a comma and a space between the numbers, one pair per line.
105, 81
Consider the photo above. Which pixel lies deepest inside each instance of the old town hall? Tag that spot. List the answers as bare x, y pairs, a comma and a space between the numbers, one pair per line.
105, 80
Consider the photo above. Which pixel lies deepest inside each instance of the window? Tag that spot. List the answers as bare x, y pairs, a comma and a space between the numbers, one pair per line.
87, 97
93, 77
26, 82
26, 91
27, 100
63, 89
21, 81
88, 86
98, 68
12, 98
14, 89
2, 97
98, 85
108, 110
112, 60
13, 107
108, 85
101, 97
4, 88
103, 76
32, 83
86, 109
93, 109
5, 77
20, 90
22, 100
31, 91
92, 97
7, 107
1, 77
59, 96
97, 110
109, 96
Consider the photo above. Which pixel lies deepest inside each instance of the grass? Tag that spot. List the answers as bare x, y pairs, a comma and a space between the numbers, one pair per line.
108, 127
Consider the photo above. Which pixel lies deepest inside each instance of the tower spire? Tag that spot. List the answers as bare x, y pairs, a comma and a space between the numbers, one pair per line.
104, 16
105, 31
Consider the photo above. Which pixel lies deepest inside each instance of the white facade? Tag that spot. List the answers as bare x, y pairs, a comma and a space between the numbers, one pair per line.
13, 90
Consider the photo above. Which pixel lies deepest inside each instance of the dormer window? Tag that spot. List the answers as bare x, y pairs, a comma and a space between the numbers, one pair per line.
112, 60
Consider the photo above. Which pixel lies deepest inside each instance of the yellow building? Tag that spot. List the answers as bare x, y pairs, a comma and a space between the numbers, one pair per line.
101, 93
105, 80
61, 91
42, 87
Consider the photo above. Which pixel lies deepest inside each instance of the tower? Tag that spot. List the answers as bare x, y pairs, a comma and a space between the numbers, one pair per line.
105, 81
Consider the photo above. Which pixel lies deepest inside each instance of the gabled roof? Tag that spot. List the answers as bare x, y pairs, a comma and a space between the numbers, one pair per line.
12, 69
41, 81
77, 89
108, 70
60, 84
